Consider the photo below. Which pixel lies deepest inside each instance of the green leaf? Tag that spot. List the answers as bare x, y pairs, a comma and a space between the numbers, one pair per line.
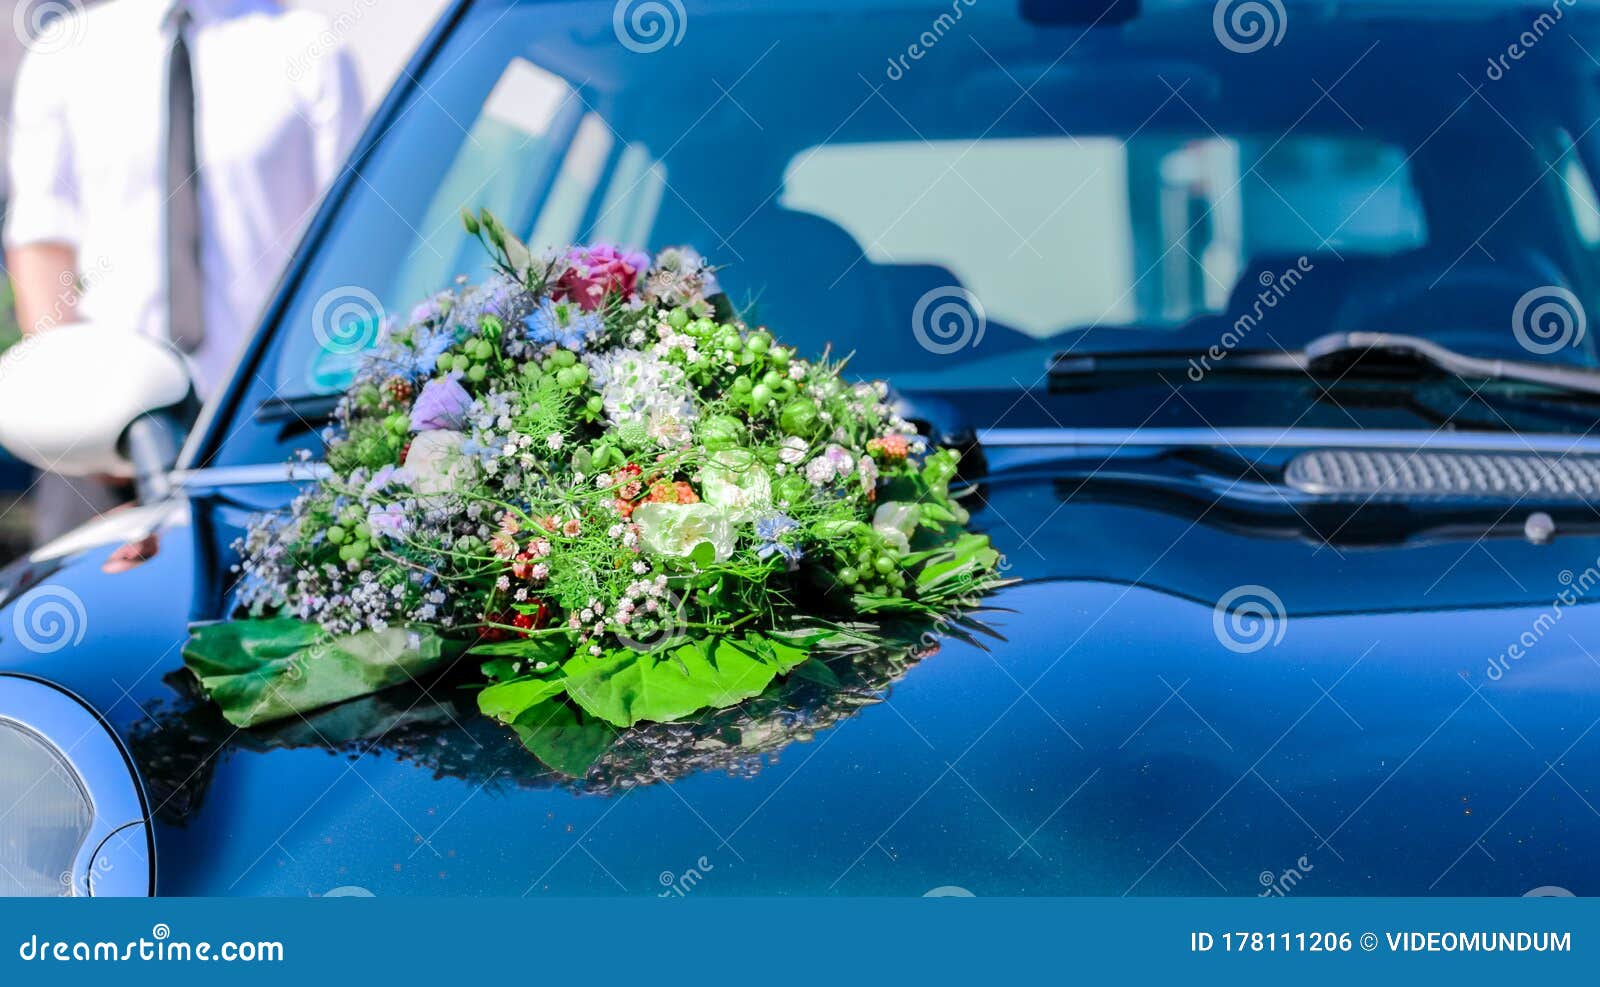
549, 645
563, 738
968, 555
786, 654
624, 687
818, 672
264, 670
508, 700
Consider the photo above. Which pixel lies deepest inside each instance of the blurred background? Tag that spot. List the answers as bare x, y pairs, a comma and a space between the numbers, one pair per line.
379, 34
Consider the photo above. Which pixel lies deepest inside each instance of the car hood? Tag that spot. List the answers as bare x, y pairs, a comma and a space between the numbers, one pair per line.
1175, 699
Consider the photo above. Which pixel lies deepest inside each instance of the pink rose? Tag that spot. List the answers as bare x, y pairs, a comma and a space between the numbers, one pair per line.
598, 271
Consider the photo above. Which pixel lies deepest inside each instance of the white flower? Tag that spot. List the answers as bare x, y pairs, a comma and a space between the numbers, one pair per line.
895, 521
678, 529
436, 464
793, 450
735, 482
639, 388
553, 441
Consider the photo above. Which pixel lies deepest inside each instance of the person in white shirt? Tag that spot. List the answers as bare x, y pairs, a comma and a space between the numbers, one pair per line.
164, 156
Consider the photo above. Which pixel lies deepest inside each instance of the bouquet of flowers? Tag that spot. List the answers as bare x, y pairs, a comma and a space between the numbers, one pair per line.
585, 472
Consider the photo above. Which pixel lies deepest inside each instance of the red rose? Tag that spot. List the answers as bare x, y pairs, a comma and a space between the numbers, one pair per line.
596, 272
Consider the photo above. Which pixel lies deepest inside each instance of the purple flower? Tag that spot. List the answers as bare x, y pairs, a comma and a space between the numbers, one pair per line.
385, 477
443, 404
389, 521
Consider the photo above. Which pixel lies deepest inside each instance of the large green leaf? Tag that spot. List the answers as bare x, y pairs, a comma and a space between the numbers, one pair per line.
508, 700
624, 687
565, 739
264, 670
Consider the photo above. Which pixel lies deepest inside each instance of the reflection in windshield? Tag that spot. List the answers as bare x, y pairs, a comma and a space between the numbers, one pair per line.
438, 728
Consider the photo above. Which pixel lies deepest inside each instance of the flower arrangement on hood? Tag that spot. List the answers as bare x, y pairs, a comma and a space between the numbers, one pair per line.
630, 505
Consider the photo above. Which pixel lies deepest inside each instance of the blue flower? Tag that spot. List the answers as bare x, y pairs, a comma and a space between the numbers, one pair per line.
771, 530
425, 359
562, 323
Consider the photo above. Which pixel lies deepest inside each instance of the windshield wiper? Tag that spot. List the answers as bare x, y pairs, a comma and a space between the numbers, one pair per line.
1330, 355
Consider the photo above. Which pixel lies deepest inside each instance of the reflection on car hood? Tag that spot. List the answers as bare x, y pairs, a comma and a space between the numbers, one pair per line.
1367, 716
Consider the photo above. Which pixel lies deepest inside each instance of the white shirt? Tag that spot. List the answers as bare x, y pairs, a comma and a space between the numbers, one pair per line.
277, 106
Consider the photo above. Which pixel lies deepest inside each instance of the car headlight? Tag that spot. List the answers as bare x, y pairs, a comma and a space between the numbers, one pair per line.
73, 819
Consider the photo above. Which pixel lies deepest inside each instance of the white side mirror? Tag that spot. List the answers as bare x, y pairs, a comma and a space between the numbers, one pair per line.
69, 394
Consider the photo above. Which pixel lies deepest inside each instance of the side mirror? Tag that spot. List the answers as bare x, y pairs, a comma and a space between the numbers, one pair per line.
82, 399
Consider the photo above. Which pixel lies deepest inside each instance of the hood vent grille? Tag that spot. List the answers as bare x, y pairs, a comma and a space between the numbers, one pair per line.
1413, 475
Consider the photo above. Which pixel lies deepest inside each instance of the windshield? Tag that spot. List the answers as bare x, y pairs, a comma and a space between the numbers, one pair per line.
953, 193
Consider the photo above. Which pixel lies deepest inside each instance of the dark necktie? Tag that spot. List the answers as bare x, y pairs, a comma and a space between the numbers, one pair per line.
185, 307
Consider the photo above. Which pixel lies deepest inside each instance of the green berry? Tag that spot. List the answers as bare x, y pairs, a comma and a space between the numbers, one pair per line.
883, 564
337, 535
760, 396
477, 373
849, 576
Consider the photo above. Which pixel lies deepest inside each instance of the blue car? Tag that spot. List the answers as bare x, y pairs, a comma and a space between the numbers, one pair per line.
1262, 329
